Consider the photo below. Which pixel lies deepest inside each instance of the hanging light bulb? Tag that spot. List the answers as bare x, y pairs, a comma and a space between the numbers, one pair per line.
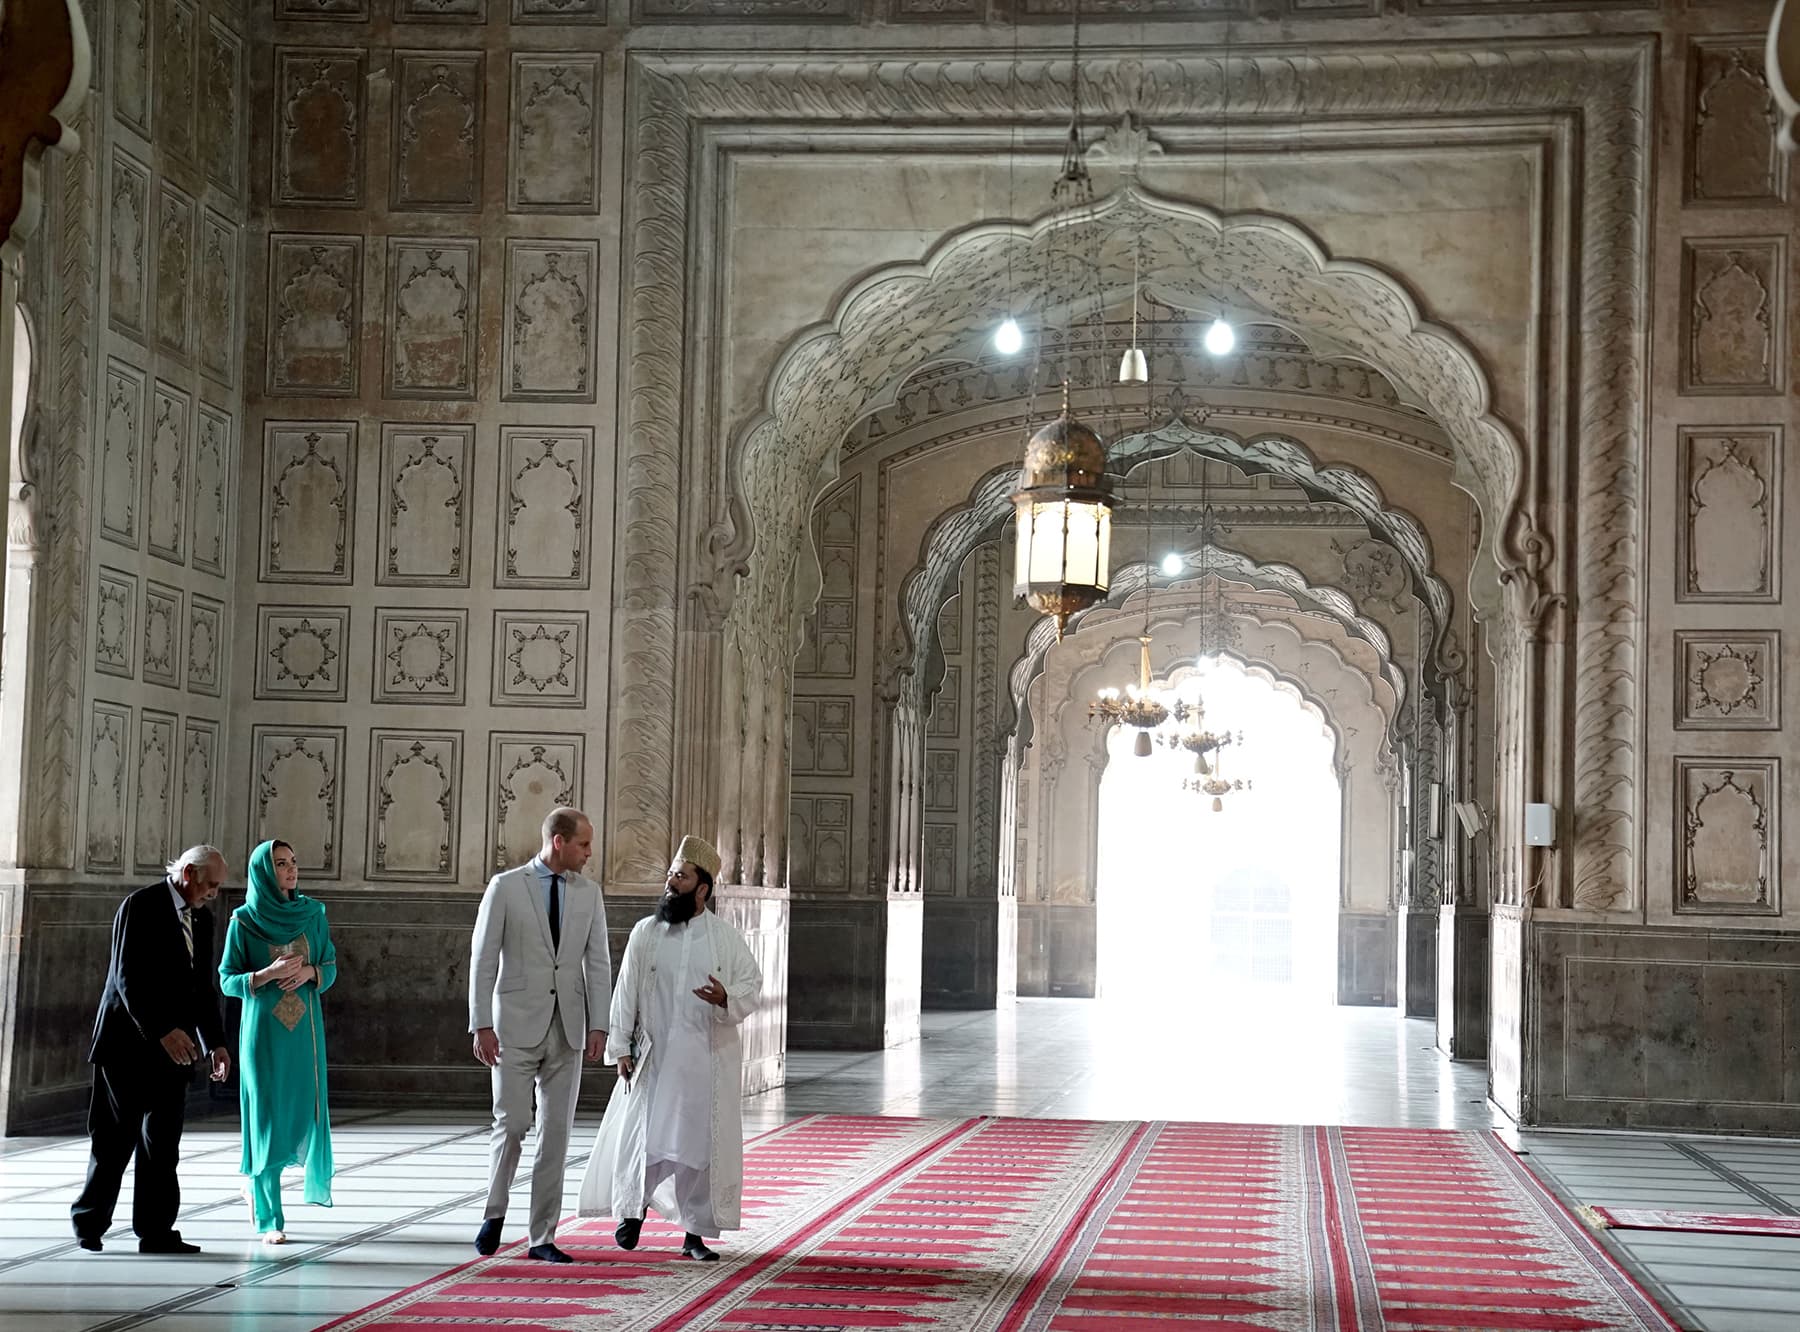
1009, 337
1219, 338
1171, 564
1133, 368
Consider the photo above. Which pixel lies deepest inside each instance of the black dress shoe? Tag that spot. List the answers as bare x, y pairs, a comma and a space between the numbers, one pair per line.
90, 1242
625, 1234
548, 1253
170, 1243
487, 1239
692, 1246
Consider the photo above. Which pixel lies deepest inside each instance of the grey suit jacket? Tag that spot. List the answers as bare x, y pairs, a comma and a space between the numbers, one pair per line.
516, 983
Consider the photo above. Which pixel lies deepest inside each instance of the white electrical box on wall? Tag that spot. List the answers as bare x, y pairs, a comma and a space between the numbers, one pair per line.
1540, 825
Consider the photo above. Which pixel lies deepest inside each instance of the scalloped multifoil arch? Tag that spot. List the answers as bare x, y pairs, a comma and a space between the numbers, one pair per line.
1244, 572
680, 548
957, 531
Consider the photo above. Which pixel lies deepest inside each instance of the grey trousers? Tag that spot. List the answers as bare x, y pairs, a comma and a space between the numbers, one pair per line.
553, 1069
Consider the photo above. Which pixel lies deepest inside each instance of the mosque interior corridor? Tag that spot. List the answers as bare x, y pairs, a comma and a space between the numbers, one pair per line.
410, 1182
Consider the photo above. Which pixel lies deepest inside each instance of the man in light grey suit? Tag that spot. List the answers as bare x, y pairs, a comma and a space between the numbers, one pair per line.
540, 988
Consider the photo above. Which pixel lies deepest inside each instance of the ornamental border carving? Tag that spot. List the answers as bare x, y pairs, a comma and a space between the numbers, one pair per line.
1604, 85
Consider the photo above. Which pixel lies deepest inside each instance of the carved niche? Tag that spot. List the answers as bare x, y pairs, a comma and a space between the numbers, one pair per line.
209, 494
1729, 680
829, 647
440, 11
946, 706
131, 64
309, 473
540, 659
547, 341
315, 314
559, 11
823, 740
120, 448
425, 505
415, 788
545, 512
941, 779
174, 269
528, 776
177, 70
431, 318
938, 11
319, 126
221, 62
217, 298
128, 279
420, 654
831, 841
199, 758
170, 427
554, 135
437, 130
1735, 299
1728, 836
108, 770
162, 635
1733, 153
205, 618
297, 794
115, 622
1727, 544
154, 826
940, 859
300, 652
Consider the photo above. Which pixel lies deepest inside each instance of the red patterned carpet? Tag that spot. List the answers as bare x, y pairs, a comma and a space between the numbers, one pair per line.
1014, 1225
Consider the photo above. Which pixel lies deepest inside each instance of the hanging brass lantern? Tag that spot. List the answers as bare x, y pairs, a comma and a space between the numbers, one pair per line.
1062, 562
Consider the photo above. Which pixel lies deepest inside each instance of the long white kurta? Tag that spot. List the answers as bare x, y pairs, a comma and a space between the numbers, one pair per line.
685, 1103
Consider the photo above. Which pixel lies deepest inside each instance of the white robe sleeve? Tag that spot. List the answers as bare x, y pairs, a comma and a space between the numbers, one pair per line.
739, 973
625, 996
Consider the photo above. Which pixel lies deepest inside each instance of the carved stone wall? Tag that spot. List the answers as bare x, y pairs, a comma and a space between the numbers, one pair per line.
424, 484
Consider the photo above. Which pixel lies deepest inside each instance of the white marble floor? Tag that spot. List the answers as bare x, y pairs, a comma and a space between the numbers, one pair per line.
410, 1183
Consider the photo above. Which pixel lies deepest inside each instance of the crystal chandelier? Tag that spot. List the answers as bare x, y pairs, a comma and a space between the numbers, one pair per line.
1190, 733
1138, 706
1214, 786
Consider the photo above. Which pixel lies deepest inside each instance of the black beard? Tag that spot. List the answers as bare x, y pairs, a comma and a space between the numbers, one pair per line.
675, 908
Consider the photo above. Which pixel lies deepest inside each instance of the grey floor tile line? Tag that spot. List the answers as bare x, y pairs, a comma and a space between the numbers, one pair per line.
68, 1246
1738, 1181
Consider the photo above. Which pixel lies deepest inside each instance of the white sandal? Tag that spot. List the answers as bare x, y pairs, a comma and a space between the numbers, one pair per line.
274, 1237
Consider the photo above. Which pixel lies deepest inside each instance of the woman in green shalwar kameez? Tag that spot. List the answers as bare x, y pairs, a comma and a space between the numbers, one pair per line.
278, 959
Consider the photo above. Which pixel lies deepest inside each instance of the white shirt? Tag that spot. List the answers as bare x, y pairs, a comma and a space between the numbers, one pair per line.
678, 1127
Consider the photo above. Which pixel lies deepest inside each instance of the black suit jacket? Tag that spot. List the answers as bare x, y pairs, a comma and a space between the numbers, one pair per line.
151, 985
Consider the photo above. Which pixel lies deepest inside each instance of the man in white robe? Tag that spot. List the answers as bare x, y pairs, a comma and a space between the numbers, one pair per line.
672, 1138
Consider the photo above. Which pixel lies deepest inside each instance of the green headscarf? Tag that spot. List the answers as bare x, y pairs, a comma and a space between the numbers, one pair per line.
276, 918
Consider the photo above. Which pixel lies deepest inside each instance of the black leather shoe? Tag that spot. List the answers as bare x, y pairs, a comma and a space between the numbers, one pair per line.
487, 1239
548, 1253
170, 1243
625, 1234
90, 1242
692, 1246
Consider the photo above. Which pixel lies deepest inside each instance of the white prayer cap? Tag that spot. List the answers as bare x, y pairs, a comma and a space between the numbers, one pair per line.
696, 852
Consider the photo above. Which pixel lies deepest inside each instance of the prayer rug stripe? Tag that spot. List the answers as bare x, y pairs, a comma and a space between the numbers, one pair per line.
999, 1225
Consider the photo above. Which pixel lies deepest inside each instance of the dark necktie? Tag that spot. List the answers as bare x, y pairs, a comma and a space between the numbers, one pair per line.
555, 912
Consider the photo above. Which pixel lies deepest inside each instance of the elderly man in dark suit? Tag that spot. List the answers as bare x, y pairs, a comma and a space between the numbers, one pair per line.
159, 1016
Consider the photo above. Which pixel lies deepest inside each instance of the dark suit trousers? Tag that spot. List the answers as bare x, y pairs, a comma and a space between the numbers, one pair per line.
137, 1107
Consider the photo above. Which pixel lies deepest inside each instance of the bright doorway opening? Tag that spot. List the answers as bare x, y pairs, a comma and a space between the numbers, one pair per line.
1236, 906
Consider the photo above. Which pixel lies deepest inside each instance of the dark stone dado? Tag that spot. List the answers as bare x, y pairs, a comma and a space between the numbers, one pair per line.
961, 953
1462, 1014
397, 1021
1418, 958
1649, 1028
854, 968
1366, 968
1057, 950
